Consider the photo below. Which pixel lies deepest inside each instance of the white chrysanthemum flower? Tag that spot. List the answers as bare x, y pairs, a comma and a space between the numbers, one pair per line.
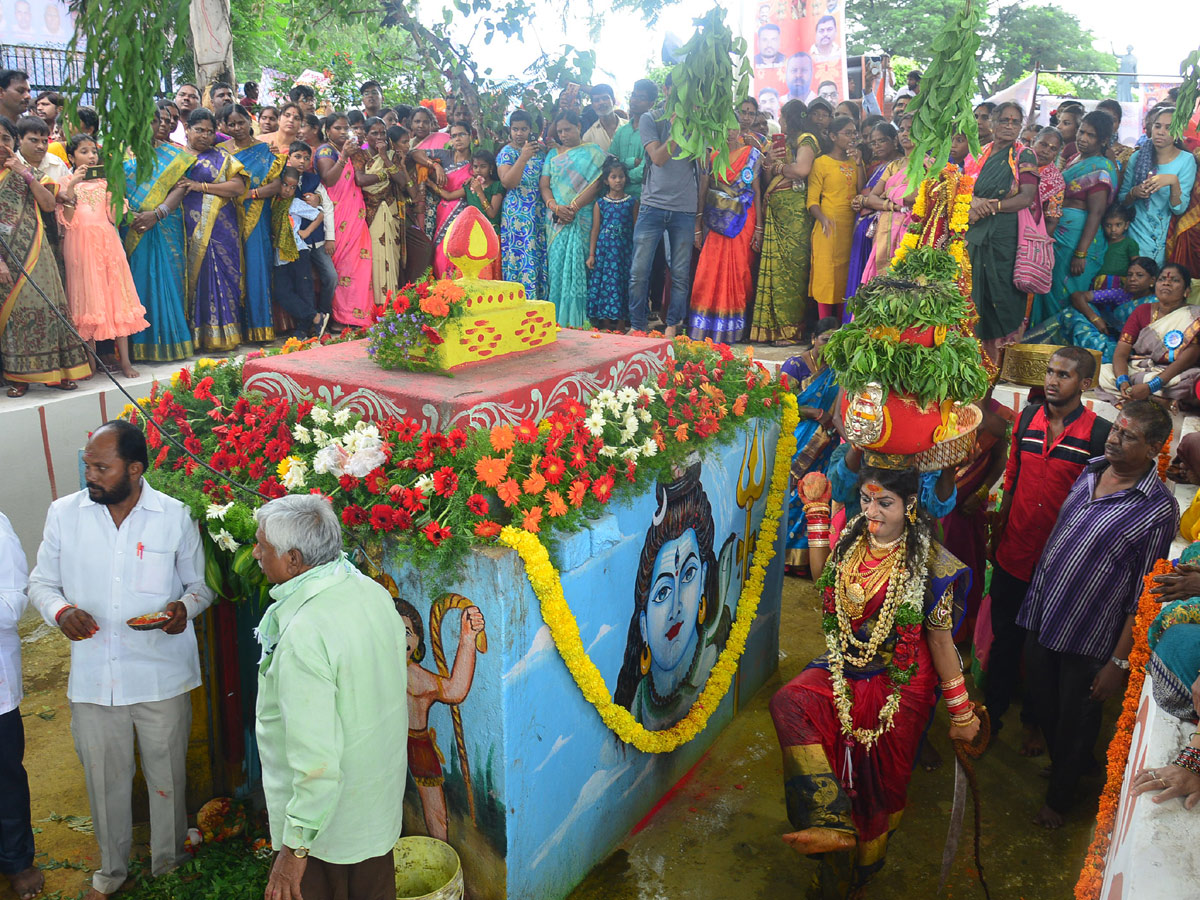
644, 415
330, 460
424, 484
360, 440
602, 397
609, 451
595, 423
627, 395
649, 448
320, 415
294, 477
301, 435
341, 417
225, 540
321, 438
217, 511
631, 453
365, 460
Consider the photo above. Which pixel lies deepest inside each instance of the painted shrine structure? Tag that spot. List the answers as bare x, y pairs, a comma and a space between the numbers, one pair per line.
518, 772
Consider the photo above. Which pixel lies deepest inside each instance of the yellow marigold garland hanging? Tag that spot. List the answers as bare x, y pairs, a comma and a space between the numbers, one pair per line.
547, 587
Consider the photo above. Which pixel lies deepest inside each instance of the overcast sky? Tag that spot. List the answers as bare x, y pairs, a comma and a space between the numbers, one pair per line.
627, 43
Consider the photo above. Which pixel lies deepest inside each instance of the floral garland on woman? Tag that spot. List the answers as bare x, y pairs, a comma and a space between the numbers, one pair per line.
564, 629
903, 611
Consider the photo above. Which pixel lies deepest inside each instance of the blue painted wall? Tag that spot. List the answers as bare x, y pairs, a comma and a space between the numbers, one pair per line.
555, 791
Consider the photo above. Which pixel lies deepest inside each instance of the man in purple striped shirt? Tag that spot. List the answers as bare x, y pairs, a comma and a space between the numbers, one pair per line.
1116, 522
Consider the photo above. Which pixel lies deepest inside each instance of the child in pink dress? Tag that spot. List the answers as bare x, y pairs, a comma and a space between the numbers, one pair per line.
100, 291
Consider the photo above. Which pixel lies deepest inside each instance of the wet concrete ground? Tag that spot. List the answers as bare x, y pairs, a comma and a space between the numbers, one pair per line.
715, 838
718, 836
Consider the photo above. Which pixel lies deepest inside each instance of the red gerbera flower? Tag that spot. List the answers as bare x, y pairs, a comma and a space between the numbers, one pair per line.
553, 469
478, 504
382, 517
487, 528
445, 482
526, 431
432, 335
602, 488
436, 533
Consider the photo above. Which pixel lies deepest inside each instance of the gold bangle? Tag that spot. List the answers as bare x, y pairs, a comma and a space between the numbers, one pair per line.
953, 683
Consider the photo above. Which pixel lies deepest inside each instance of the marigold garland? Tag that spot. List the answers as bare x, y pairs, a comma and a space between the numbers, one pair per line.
1091, 879
547, 586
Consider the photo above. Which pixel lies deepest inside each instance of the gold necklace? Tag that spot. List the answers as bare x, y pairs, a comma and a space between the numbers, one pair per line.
855, 587
880, 545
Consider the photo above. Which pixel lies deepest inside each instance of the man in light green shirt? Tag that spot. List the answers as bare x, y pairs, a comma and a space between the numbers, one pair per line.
332, 716
627, 142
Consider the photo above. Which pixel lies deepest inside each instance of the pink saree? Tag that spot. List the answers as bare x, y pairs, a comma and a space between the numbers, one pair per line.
352, 299
890, 226
447, 212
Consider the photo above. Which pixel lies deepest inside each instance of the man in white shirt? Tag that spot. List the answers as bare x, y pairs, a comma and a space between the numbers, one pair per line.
187, 98
116, 550
16, 828
607, 121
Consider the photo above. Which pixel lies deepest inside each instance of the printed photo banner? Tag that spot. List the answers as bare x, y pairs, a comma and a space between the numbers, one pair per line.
798, 49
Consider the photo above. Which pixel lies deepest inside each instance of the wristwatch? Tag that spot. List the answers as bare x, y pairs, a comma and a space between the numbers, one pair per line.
1122, 664
300, 852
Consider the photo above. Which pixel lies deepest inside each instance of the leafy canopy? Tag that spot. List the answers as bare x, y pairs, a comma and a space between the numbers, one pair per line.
1015, 35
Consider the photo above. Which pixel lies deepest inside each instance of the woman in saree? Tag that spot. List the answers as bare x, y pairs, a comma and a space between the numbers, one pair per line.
1099, 314
523, 215
733, 231
1160, 181
261, 167
384, 222
156, 247
35, 347
816, 392
429, 153
458, 172
1005, 183
1157, 355
884, 143
892, 201
214, 239
851, 723
787, 235
569, 184
343, 170
832, 185
1079, 244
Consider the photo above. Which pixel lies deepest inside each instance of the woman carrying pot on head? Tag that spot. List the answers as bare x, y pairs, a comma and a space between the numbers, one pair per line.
851, 723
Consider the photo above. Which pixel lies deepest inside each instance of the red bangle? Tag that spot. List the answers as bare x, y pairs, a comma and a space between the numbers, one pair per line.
58, 615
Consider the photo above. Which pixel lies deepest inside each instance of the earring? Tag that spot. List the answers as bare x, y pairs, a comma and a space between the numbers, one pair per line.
645, 661
912, 514
703, 609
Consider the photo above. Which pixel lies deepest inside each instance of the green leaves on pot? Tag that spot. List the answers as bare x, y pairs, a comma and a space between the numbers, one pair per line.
705, 90
887, 302
1185, 102
952, 371
925, 264
943, 107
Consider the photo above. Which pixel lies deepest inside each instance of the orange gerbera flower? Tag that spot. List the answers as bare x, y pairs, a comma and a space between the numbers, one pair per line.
534, 484
491, 471
502, 437
558, 506
509, 491
681, 433
435, 305
533, 520
739, 405
577, 491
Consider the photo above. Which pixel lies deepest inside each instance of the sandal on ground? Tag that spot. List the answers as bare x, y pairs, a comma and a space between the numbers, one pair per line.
17, 390
65, 385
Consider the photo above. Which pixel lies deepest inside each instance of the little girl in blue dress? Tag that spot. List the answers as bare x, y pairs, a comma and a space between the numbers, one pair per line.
611, 256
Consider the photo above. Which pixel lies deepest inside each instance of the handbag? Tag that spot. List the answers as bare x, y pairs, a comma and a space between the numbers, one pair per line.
1033, 271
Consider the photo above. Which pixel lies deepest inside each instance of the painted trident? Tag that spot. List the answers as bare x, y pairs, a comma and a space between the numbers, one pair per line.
754, 470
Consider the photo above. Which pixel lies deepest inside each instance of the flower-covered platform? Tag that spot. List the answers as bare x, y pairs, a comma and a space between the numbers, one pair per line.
519, 386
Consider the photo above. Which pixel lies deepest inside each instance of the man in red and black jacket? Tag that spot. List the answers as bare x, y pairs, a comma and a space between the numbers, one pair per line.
1051, 445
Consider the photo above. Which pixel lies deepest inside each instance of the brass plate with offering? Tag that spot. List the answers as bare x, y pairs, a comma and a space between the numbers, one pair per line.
149, 621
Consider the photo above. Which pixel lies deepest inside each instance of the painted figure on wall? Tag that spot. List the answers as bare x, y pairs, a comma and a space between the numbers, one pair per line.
426, 688
679, 623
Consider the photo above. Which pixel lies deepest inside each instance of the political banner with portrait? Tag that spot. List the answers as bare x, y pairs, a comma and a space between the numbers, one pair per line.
36, 23
798, 50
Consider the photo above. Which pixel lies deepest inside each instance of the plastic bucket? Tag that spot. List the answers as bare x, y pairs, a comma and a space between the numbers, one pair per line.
427, 869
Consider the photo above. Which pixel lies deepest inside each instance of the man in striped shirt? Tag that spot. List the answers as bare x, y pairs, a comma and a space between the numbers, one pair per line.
1052, 442
1116, 522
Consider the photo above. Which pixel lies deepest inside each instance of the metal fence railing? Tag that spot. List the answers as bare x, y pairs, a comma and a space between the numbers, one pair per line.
49, 68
